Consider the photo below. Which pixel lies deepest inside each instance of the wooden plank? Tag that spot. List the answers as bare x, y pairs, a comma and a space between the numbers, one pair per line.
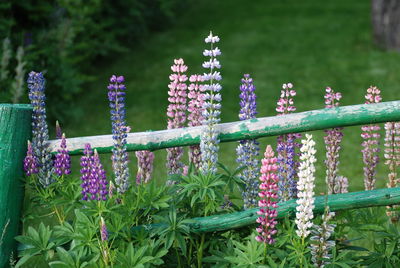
337, 202
15, 129
249, 129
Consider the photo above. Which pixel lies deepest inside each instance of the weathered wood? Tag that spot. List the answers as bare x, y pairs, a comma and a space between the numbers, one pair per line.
381, 197
15, 129
337, 202
249, 129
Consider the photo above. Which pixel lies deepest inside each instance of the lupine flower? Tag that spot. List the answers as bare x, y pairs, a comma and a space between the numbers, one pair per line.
40, 132
103, 230
268, 195
320, 243
58, 131
30, 162
116, 96
305, 187
209, 142
195, 116
111, 189
93, 176
145, 166
332, 145
392, 156
286, 147
371, 142
62, 163
341, 185
247, 150
176, 112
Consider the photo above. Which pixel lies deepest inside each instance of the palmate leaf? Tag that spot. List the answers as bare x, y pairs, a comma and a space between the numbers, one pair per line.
38, 242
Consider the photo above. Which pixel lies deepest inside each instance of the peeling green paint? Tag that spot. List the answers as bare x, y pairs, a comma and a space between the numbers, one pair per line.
15, 129
257, 128
337, 202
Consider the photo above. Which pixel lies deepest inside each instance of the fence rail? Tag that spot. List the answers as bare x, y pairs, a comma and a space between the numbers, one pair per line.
249, 129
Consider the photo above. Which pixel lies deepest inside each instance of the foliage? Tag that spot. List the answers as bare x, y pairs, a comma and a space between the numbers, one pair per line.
69, 36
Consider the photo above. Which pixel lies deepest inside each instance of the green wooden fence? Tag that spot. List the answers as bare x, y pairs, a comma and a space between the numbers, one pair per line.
15, 130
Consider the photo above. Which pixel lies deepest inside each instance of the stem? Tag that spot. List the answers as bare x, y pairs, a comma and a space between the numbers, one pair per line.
60, 220
265, 252
200, 251
190, 253
178, 257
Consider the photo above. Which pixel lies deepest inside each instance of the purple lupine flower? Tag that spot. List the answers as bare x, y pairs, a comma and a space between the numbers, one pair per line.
286, 148
370, 144
116, 96
195, 117
30, 162
40, 133
58, 131
268, 198
94, 183
86, 162
209, 142
145, 166
247, 150
176, 112
332, 145
62, 163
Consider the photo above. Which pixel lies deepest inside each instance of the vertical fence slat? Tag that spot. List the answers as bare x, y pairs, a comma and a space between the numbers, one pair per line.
15, 129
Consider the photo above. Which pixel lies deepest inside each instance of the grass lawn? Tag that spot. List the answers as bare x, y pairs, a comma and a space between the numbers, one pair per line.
311, 43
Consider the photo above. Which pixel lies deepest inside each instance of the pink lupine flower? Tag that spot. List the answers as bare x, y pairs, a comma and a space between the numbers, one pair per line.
268, 195
176, 112
145, 166
195, 116
371, 142
332, 144
392, 156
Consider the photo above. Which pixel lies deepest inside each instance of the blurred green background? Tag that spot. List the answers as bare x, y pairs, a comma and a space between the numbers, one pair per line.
312, 44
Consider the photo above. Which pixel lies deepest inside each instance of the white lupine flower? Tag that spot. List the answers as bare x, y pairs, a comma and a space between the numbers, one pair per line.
211, 106
305, 187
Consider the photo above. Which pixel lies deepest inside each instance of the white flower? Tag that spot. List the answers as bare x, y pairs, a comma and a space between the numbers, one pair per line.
305, 187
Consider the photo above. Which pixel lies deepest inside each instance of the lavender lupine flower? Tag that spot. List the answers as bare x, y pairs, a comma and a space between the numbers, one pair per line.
247, 150
371, 142
209, 142
320, 243
30, 162
94, 183
40, 133
62, 163
58, 131
332, 145
103, 230
176, 112
86, 163
116, 96
286, 148
341, 185
392, 156
195, 116
305, 187
145, 166
268, 195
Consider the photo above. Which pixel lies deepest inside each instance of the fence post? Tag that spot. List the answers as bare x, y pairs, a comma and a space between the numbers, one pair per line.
15, 130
